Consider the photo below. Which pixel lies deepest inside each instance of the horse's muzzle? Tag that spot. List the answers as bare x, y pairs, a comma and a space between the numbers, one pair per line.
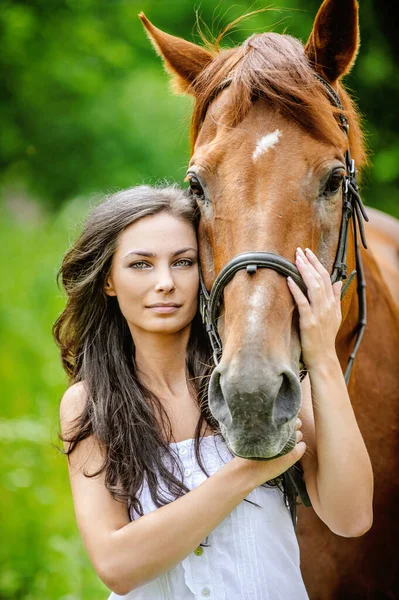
256, 408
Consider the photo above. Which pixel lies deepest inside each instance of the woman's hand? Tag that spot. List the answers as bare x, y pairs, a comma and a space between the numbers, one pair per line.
320, 316
264, 470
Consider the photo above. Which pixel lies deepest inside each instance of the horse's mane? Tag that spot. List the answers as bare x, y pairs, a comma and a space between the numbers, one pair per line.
275, 68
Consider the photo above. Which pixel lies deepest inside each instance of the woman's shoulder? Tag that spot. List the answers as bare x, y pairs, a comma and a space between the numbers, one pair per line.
73, 402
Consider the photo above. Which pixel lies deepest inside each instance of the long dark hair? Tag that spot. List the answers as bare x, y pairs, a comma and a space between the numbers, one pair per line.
126, 418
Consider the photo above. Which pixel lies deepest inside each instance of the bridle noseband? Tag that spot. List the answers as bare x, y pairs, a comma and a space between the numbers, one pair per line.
352, 207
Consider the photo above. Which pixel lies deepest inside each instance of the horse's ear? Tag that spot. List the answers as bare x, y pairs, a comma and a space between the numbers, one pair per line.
333, 44
182, 59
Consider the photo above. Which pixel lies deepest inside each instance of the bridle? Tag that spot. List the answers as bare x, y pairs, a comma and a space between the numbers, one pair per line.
352, 207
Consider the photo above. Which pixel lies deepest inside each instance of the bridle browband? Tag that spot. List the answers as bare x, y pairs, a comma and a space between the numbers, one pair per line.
352, 207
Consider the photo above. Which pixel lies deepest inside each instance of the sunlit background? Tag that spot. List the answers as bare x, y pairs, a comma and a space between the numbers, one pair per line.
86, 109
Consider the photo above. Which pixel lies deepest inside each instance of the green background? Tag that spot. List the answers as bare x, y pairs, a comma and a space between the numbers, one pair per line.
85, 110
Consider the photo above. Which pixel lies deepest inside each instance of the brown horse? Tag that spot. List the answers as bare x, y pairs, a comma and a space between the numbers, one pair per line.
267, 146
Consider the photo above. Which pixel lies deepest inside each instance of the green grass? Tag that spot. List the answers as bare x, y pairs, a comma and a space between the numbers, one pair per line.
41, 554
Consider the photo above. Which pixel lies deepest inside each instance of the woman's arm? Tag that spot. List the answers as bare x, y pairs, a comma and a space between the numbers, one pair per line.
127, 555
337, 468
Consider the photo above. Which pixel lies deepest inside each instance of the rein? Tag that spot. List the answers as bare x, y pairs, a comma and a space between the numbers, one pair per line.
352, 207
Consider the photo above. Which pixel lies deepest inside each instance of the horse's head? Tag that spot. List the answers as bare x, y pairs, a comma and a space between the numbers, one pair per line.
267, 169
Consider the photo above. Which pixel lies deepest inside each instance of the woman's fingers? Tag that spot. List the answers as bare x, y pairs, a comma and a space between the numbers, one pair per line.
300, 298
292, 457
299, 434
279, 465
324, 274
312, 278
319, 310
282, 463
264, 470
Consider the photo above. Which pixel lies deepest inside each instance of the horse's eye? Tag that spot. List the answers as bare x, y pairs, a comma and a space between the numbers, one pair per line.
334, 183
196, 187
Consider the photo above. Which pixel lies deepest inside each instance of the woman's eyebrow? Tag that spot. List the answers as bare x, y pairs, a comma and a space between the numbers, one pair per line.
153, 254
183, 250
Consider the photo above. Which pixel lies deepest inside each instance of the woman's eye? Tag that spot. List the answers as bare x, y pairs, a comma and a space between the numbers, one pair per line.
196, 187
184, 262
139, 265
334, 183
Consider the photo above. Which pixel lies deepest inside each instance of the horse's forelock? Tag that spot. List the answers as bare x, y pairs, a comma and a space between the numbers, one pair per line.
274, 67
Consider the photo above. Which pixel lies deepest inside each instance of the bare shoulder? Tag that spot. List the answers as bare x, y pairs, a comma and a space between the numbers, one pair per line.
71, 408
73, 402
88, 451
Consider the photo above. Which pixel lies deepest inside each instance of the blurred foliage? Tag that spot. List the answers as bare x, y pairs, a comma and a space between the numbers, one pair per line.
86, 108
41, 554
86, 105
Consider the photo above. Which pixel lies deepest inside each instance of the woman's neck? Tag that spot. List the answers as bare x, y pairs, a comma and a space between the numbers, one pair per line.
161, 361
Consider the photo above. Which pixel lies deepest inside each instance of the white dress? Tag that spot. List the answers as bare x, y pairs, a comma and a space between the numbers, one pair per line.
252, 554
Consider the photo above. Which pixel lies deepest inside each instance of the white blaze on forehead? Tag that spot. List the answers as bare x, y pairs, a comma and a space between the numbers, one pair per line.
265, 143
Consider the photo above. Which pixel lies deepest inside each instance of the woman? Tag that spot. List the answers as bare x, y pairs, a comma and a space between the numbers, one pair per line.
164, 509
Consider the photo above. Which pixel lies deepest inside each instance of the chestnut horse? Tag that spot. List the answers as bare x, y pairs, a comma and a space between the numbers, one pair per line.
268, 153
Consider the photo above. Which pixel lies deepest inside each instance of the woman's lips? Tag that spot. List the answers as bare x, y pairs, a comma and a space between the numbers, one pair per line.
164, 309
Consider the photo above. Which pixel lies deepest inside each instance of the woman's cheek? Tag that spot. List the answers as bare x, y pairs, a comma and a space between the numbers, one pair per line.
130, 306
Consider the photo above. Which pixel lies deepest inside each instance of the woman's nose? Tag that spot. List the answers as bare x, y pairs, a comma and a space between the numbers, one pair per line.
165, 282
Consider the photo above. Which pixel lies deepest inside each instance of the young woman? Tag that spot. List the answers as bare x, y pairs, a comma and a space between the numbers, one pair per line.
164, 509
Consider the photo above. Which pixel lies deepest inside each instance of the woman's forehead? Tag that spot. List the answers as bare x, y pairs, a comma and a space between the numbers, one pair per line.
161, 233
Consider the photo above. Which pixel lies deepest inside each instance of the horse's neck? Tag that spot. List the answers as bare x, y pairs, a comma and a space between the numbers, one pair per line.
382, 232
382, 312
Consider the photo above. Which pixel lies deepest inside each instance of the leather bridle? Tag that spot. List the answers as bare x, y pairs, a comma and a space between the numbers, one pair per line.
352, 207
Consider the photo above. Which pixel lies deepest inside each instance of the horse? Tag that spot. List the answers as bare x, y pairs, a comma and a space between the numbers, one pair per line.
272, 130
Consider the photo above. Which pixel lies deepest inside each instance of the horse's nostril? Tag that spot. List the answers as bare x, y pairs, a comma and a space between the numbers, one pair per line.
287, 402
217, 403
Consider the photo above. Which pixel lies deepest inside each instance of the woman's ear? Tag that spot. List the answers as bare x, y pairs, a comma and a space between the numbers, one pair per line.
334, 42
109, 288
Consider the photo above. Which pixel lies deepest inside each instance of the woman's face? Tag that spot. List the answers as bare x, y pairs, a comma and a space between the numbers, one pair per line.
154, 274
